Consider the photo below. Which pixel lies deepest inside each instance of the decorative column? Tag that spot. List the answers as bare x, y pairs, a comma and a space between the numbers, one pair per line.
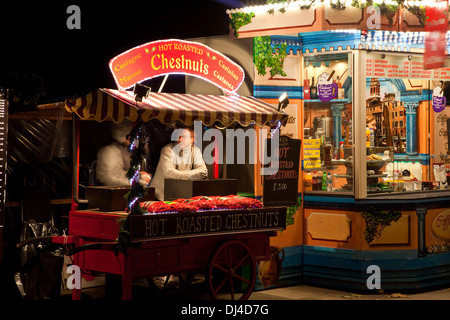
336, 112
411, 124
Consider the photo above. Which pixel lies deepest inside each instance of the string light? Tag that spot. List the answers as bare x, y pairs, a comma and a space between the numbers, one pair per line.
136, 174
133, 202
294, 5
277, 127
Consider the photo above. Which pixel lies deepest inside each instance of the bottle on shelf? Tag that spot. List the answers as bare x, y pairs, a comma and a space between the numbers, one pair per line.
327, 155
308, 181
314, 183
329, 182
341, 149
313, 90
306, 88
324, 181
319, 181
338, 82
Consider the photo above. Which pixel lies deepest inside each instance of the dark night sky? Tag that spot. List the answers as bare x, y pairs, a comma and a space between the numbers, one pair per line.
35, 41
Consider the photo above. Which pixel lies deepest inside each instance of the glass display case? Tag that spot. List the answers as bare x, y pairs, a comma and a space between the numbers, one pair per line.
402, 126
328, 109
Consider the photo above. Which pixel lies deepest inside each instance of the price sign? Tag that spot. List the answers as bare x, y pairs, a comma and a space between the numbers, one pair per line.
281, 188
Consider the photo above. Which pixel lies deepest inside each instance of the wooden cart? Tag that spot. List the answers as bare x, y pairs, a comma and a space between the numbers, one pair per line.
225, 245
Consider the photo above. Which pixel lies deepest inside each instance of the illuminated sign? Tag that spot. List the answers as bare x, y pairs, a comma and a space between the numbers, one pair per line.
163, 57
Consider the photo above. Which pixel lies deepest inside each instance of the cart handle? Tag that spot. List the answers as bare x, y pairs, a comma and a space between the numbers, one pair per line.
110, 246
52, 239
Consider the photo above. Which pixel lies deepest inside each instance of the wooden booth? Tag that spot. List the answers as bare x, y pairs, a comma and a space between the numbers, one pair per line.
375, 196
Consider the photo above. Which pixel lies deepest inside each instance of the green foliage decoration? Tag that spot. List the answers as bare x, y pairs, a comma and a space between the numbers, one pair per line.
291, 211
377, 220
266, 57
240, 19
387, 10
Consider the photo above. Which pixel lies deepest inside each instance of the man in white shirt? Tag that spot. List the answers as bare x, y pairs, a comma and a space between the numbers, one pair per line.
180, 160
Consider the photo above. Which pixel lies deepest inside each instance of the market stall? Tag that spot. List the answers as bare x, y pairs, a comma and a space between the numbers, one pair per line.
372, 195
213, 230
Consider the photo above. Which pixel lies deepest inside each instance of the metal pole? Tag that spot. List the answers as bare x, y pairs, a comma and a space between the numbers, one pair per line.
163, 83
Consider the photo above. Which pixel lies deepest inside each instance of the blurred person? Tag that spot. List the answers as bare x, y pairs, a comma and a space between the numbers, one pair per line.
113, 160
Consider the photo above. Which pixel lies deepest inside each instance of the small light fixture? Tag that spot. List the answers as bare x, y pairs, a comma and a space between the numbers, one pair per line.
409, 57
283, 101
140, 91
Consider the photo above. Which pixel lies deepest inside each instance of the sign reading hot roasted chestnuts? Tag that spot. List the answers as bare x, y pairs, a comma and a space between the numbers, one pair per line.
164, 57
190, 223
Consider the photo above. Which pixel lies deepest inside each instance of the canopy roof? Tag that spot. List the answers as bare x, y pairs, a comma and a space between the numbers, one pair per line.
115, 105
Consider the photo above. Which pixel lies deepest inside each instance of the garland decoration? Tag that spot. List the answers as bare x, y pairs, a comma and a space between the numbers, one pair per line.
264, 57
388, 8
137, 150
240, 19
377, 220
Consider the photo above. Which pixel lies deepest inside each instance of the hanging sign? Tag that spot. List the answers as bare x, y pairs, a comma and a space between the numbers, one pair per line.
326, 89
438, 101
436, 23
164, 57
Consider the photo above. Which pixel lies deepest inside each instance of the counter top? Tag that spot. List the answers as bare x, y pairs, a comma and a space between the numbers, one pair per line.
437, 198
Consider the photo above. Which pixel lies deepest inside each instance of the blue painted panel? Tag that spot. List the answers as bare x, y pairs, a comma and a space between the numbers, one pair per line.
422, 158
346, 269
325, 199
415, 95
274, 92
329, 39
400, 269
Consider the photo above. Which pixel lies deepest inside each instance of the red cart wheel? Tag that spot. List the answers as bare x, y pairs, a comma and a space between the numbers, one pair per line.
232, 271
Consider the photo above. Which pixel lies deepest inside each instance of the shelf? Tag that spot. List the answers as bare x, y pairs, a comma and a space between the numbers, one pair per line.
317, 101
369, 176
342, 175
341, 161
320, 168
378, 161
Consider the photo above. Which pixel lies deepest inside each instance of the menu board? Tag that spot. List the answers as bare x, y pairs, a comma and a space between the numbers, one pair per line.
281, 188
394, 67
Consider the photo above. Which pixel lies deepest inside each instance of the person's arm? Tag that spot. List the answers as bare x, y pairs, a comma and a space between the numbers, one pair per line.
199, 165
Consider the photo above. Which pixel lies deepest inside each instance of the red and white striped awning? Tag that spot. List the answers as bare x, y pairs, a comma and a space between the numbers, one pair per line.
115, 105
